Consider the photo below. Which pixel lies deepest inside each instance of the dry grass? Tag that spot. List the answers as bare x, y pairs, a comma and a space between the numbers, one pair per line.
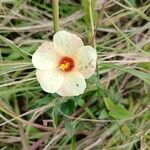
31, 119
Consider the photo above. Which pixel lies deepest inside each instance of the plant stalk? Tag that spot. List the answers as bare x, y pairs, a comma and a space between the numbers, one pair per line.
93, 42
24, 139
92, 24
55, 5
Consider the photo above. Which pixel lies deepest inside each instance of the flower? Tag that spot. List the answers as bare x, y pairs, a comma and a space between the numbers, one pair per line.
64, 64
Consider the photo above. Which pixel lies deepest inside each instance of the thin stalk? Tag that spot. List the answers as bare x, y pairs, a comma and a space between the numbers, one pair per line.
73, 143
92, 24
24, 140
55, 5
92, 29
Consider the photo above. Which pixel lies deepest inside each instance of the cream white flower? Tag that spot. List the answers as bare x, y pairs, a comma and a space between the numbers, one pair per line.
64, 64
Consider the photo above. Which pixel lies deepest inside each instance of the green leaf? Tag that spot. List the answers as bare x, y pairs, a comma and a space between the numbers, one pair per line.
144, 65
117, 111
40, 102
70, 128
14, 47
120, 112
133, 3
68, 107
142, 75
103, 114
79, 101
109, 104
35, 133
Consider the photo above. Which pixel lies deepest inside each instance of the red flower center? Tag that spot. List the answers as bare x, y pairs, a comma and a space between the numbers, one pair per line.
66, 64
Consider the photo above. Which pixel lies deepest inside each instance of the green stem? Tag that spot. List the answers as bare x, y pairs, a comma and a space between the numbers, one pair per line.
91, 24
55, 5
24, 140
73, 143
92, 29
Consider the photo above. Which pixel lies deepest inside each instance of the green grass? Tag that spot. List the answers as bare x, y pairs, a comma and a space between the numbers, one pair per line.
114, 111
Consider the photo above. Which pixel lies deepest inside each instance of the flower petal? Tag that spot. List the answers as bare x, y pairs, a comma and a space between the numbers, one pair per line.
68, 42
46, 56
86, 61
50, 80
73, 85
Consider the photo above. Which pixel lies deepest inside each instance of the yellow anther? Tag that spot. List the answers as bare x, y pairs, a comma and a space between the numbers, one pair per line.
63, 67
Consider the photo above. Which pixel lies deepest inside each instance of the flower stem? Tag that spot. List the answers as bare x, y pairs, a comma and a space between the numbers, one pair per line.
91, 24
55, 5
93, 42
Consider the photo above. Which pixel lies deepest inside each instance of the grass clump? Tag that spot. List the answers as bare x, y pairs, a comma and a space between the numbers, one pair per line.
113, 113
